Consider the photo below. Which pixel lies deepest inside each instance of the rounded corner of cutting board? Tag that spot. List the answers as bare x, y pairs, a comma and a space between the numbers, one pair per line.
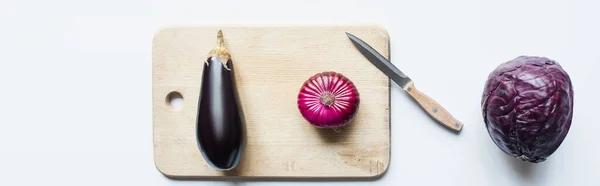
382, 31
158, 165
160, 33
170, 125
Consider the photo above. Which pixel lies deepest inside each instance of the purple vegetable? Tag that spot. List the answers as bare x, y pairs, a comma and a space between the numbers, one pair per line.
220, 124
527, 107
328, 100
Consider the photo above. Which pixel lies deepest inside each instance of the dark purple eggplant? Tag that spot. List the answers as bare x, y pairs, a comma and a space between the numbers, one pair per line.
220, 125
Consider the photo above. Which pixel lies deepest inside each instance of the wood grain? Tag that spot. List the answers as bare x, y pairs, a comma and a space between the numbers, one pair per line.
434, 109
271, 63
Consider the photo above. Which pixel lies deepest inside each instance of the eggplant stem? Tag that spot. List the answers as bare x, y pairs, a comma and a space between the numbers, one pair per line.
220, 51
220, 41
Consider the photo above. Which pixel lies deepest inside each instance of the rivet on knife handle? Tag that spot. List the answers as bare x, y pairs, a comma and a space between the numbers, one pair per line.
432, 108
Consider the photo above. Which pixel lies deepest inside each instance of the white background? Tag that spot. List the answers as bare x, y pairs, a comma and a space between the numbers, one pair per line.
76, 84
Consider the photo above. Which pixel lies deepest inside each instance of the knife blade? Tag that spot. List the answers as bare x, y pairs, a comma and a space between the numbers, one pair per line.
431, 107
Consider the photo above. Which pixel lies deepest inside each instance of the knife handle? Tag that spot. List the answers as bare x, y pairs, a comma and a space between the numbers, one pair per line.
435, 110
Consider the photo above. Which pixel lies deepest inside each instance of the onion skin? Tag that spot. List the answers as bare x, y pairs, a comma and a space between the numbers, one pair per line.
328, 100
220, 126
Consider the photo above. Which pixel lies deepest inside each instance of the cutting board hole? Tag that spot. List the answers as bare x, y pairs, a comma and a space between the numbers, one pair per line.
175, 100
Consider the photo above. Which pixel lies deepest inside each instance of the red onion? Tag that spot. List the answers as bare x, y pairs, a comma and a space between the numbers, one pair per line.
328, 100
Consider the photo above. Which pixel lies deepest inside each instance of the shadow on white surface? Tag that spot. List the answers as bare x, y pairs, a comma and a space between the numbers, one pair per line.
237, 180
523, 169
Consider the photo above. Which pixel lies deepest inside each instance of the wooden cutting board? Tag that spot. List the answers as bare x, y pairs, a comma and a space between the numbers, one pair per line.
271, 64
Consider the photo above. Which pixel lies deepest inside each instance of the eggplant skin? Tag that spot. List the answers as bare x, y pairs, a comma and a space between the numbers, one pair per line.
220, 126
527, 107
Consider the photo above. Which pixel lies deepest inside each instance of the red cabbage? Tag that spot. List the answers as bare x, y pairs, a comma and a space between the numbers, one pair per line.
527, 107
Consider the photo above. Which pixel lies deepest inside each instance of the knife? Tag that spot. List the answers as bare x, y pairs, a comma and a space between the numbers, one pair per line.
433, 109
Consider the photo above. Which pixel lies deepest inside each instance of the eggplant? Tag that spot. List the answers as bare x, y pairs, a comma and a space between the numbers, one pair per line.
220, 125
